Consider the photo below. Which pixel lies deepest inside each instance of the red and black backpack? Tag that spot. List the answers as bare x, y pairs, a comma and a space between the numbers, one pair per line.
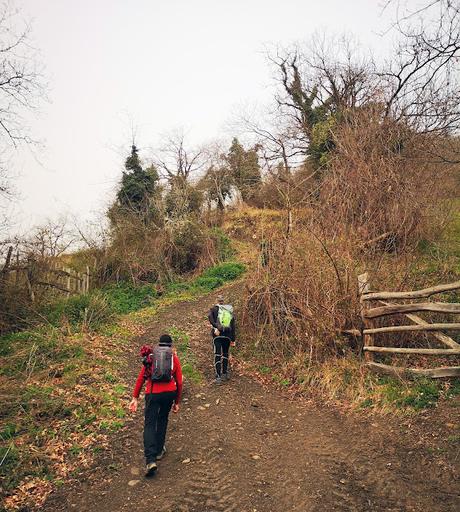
158, 362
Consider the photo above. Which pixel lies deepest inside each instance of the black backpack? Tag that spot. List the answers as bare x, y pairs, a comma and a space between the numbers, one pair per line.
162, 364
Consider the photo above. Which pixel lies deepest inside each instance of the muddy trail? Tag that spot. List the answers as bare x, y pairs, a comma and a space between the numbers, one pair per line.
244, 447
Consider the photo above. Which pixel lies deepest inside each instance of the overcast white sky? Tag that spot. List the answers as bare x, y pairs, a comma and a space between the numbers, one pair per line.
163, 64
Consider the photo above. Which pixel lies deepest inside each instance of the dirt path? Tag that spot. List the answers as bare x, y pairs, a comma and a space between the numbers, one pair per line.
244, 448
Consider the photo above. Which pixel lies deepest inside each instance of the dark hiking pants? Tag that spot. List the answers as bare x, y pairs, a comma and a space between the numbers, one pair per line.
221, 348
157, 407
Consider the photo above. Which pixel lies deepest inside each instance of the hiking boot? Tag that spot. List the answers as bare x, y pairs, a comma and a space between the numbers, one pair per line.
150, 469
162, 453
225, 377
218, 381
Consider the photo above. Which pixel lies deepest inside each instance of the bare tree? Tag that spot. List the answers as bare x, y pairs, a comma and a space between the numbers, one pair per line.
217, 182
50, 240
179, 166
422, 83
326, 76
175, 161
21, 86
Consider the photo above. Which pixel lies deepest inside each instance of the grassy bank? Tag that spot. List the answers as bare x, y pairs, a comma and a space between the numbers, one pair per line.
62, 386
346, 382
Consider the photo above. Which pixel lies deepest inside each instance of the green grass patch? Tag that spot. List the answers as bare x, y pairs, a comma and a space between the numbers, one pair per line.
10, 457
90, 310
186, 357
422, 393
226, 271
211, 279
125, 298
31, 351
111, 425
108, 377
454, 389
264, 370
366, 403
99, 307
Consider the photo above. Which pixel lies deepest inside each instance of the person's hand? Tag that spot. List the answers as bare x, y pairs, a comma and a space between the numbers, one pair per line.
175, 408
216, 332
233, 344
133, 405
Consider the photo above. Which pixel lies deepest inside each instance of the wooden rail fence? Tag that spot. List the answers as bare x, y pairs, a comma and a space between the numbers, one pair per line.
42, 273
371, 311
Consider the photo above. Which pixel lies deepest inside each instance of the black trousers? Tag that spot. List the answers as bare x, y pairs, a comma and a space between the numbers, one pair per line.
221, 348
157, 407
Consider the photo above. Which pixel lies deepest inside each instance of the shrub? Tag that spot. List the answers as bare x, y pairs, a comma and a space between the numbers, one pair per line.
208, 283
379, 187
90, 310
187, 242
302, 295
225, 271
124, 297
223, 244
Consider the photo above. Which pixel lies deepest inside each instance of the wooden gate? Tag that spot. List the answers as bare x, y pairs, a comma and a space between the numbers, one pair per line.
375, 305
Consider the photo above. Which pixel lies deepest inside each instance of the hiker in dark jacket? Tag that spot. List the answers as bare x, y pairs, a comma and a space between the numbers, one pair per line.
222, 320
160, 396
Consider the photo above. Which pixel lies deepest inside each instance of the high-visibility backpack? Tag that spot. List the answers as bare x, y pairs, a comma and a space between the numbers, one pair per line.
159, 363
225, 315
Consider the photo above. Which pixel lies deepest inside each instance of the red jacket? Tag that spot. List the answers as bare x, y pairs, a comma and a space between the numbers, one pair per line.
160, 387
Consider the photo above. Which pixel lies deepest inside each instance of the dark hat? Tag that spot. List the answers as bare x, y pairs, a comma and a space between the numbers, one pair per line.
166, 340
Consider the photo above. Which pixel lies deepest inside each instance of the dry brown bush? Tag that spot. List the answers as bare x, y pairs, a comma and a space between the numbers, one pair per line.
302, 295
146, 253
383, 189
381, 196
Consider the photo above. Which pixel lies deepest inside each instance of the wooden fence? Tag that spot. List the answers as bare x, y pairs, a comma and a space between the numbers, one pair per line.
49, 273
374, 305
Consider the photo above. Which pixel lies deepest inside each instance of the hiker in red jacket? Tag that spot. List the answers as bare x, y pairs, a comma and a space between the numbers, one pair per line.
162, 373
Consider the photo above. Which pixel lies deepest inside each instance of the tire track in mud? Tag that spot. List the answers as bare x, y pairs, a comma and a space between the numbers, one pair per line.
210, 488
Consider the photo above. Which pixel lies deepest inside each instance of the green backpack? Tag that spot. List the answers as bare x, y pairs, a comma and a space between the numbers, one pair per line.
225, 315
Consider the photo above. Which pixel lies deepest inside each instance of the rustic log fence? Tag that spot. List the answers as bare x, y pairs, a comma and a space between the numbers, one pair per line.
49, 273
371, 311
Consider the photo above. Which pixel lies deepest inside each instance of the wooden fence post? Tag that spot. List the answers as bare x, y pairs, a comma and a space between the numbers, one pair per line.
16, 273
87, 279
6, 268
68, 280
363, 287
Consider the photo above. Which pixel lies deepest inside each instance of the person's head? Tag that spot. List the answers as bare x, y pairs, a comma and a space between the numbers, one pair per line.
220, 299
165, 340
